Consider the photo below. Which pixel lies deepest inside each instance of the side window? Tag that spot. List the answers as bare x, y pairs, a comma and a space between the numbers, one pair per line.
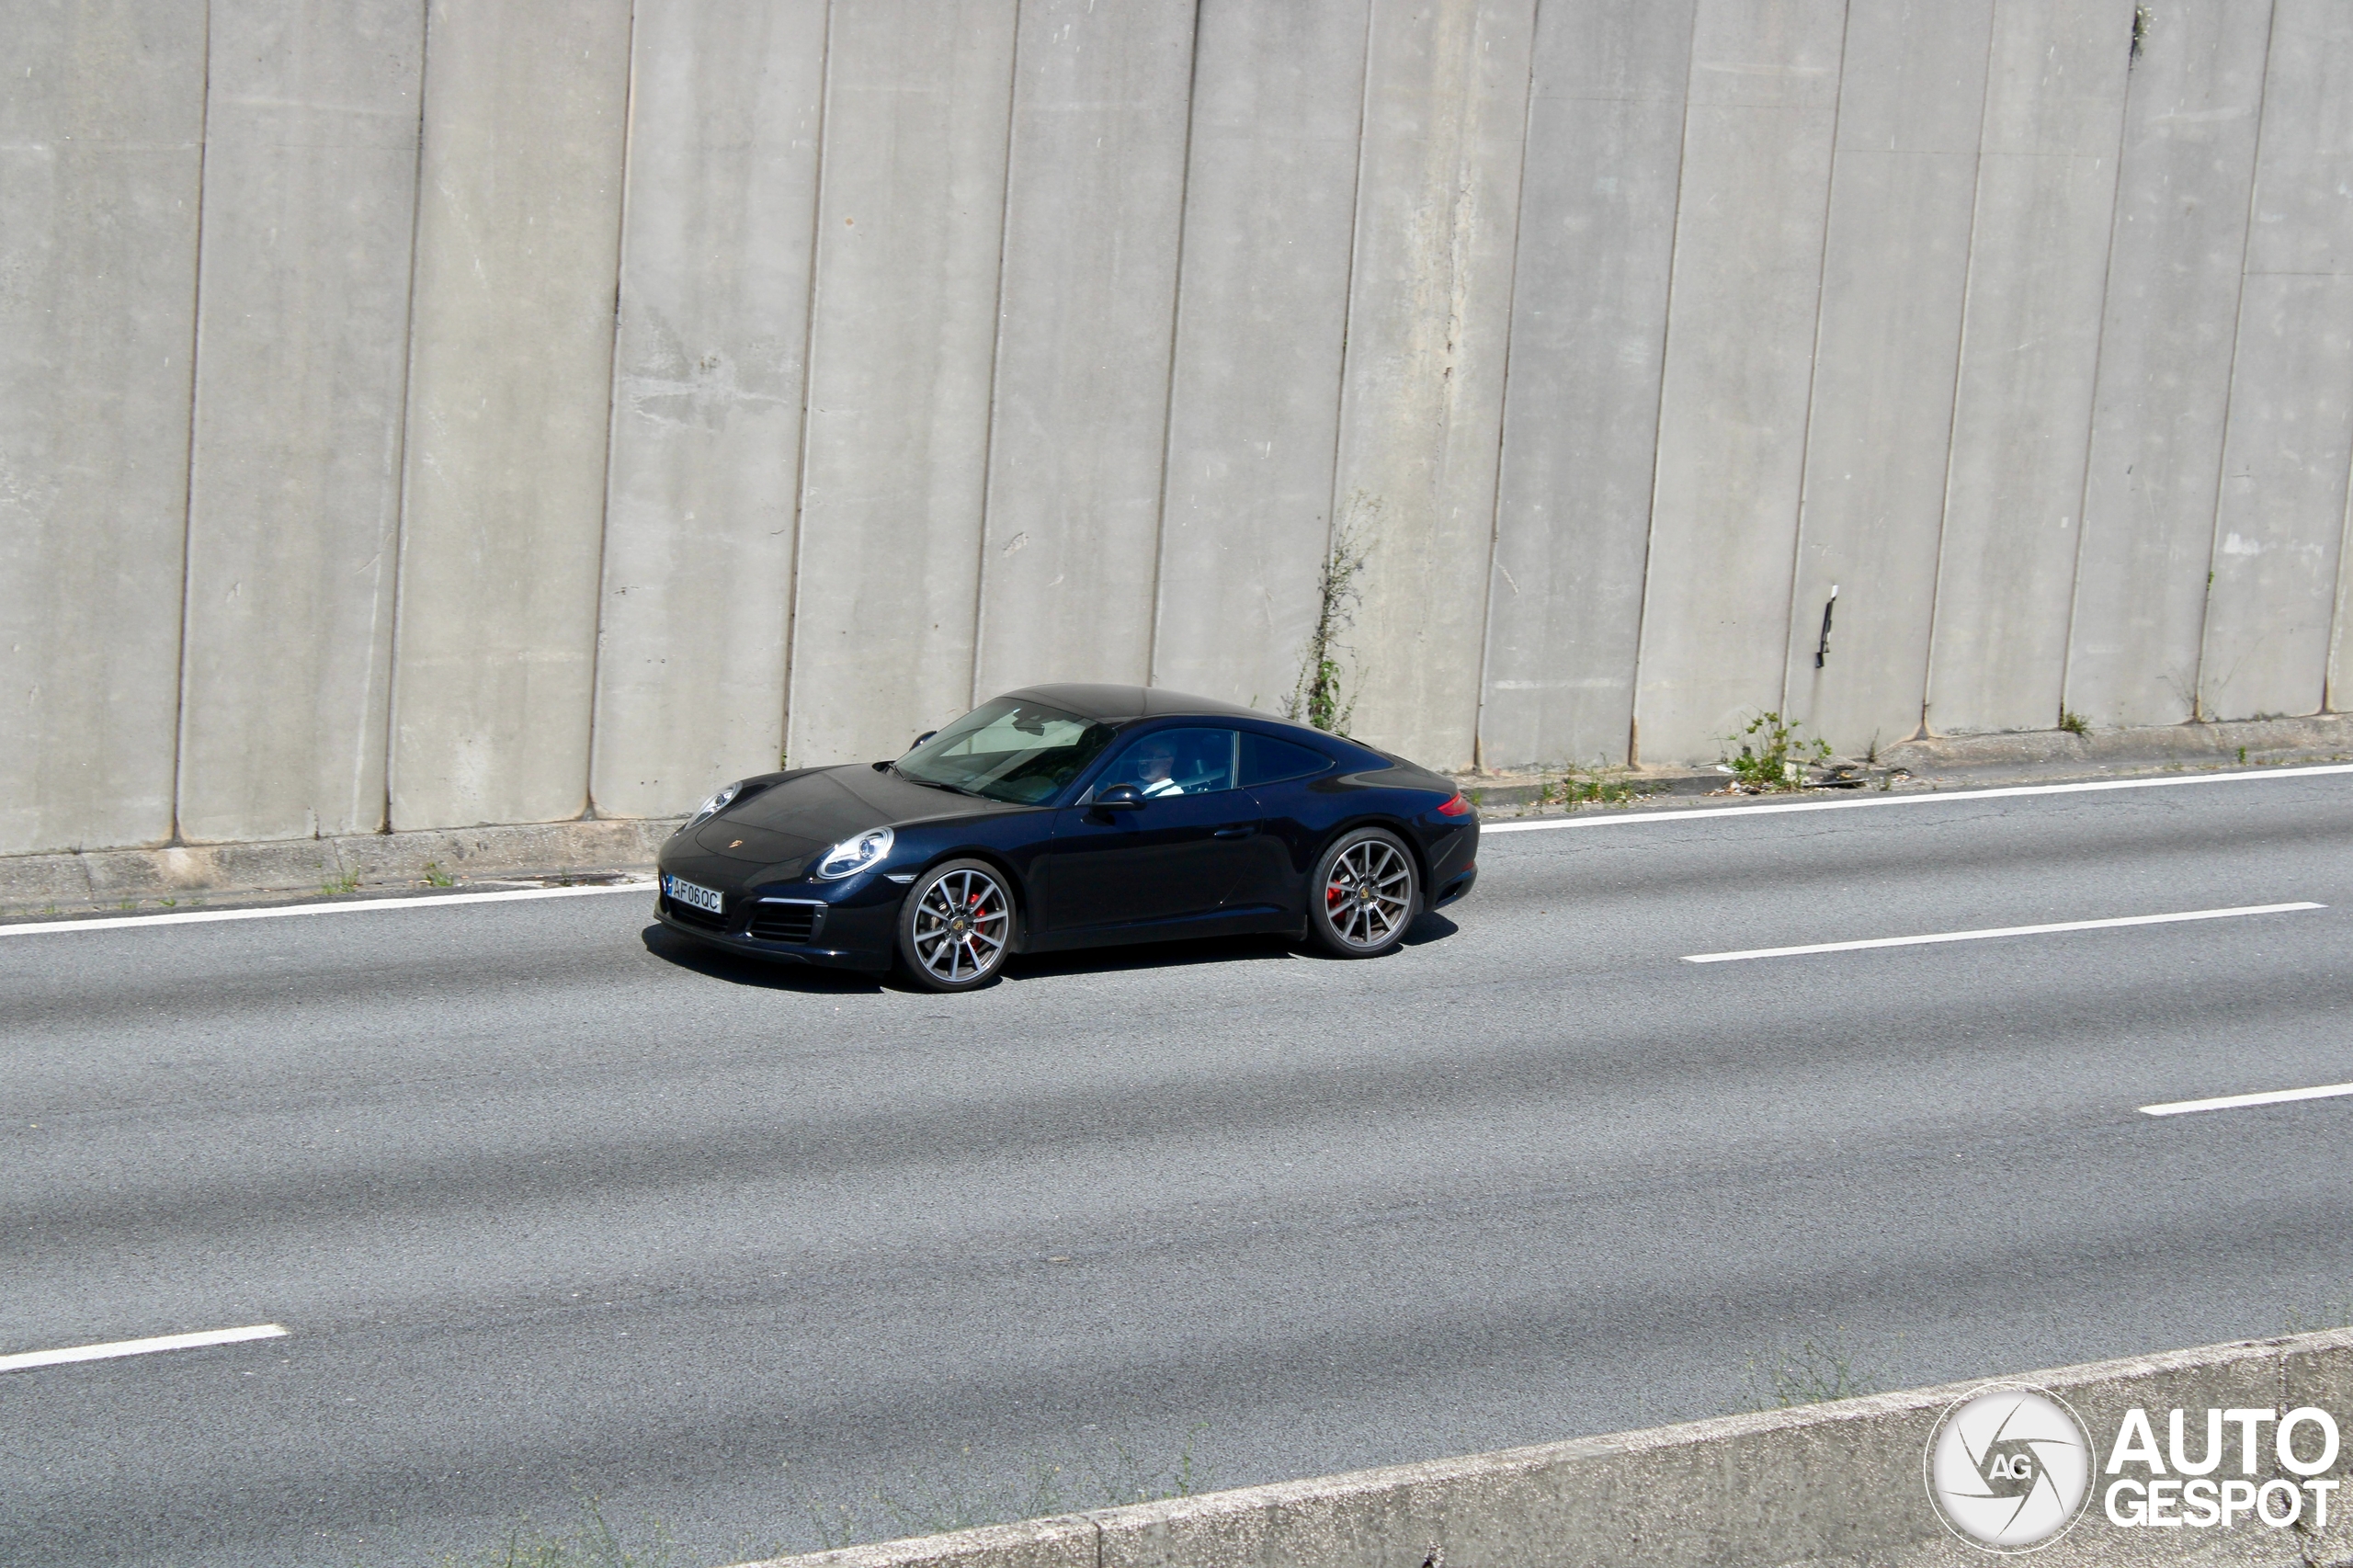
1173, 762
1266, 760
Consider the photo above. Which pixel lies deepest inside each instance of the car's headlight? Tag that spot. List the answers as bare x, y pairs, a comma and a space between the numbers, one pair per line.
713, 806
852, 856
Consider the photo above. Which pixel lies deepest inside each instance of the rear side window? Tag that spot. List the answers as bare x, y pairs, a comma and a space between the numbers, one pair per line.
1266, 760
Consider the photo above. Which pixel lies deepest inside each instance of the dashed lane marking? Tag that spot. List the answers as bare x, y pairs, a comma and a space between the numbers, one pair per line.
2233, 1102
108, 1351
1997, 931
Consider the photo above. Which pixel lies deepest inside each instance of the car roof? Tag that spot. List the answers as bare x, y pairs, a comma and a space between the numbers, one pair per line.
1116, 704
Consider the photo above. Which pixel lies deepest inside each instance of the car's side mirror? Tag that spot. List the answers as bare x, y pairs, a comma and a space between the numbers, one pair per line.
1120, 798
925, 736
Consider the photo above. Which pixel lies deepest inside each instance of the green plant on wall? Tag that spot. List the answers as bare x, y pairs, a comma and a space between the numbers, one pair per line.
1773, 754
1319, 698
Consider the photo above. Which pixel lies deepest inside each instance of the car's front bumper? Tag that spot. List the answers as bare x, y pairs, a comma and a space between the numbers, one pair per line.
852, 924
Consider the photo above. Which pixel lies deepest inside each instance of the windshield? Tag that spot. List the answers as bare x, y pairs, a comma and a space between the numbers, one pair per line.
1008, 750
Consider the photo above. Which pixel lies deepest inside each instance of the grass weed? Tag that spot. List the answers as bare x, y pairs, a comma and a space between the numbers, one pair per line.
1773, 754
590, 1541
1587, 787
1809, 1372
931, 1499
2336, 1314
940, 1498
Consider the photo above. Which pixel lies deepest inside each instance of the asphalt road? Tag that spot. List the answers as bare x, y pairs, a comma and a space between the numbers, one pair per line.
553, 1208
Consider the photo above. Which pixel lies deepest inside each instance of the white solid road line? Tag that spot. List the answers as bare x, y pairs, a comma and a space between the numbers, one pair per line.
1943, 797
1997, 931
189, 917
2232, 1102
140, 1346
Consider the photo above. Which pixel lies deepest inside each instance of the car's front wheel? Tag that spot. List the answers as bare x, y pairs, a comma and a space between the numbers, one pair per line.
1365, 893
956, 925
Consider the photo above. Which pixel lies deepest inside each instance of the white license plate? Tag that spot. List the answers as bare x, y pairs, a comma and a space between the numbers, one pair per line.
688, 893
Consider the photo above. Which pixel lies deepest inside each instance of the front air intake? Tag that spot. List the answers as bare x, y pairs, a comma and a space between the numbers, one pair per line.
782, 922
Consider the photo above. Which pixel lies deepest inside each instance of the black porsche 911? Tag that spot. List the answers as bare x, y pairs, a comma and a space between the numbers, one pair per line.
1071, 816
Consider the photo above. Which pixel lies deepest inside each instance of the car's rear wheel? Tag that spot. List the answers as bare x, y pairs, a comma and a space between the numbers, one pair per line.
956, 927
1365, 893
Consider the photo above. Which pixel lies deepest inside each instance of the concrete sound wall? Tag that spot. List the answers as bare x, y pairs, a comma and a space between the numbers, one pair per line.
416, 415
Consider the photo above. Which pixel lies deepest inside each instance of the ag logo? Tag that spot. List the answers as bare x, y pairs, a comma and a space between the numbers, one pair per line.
2008, 1468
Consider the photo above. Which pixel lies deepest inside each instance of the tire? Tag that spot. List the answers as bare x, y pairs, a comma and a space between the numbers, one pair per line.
948, 922
1364, 895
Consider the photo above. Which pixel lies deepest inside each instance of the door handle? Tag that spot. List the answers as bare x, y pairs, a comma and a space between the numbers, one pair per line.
1236, 830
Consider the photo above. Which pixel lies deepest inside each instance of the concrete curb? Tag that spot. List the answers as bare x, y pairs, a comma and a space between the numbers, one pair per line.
2036, 753
1839, 1484
2322, 737
106, 879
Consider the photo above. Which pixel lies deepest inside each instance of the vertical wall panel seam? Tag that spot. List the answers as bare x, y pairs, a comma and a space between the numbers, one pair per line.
612, 425
188, 468
2231, 386
2337, 606
400, 431
997, 365
1503, 398
808, 383
2336, 573
1813, 361
1959, 363
1658, 420
1348, 295
1175, 324
2091, 421
408, 383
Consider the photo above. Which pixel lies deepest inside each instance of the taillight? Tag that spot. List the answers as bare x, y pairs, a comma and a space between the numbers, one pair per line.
1454, 808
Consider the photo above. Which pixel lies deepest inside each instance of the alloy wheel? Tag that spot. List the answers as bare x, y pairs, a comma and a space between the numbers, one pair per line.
1368, 895
961, 923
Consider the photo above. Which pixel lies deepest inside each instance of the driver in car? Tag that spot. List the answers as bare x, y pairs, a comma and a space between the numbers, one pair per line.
1155, 760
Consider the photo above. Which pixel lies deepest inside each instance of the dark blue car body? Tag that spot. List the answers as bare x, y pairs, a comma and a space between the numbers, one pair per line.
1233, 862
